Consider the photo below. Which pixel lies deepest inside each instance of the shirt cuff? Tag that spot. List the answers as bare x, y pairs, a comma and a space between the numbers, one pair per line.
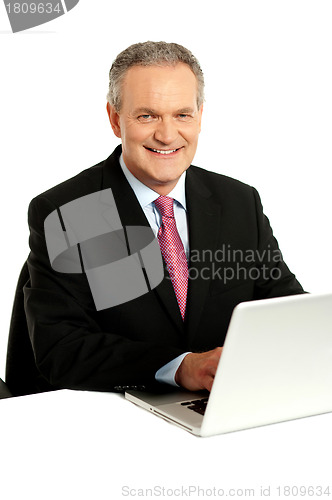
166, 374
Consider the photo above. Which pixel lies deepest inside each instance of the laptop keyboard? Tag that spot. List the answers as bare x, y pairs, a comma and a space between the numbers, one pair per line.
198, 405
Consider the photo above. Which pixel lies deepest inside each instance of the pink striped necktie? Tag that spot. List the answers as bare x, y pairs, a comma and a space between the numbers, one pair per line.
173, 251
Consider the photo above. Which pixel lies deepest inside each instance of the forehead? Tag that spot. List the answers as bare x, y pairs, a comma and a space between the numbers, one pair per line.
162, 86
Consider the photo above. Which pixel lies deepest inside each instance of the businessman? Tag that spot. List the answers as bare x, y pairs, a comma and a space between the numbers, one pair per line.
217, 246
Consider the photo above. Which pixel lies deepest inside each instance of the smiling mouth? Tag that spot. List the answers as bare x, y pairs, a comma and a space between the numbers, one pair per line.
163, 151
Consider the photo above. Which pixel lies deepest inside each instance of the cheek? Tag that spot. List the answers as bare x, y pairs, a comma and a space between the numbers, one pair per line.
137, 134
192, 140
191, 133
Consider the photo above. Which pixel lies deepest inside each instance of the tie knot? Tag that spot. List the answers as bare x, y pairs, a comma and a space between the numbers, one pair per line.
165, 206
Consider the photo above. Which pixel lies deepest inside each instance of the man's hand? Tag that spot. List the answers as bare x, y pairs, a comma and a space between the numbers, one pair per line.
197, 370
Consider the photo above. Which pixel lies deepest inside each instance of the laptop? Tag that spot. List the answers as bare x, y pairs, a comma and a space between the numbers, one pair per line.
276, 365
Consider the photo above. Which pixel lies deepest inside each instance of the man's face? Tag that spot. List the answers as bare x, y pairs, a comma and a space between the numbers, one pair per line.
159, 123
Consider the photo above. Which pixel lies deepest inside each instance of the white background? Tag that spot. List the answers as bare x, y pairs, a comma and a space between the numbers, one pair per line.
267, 119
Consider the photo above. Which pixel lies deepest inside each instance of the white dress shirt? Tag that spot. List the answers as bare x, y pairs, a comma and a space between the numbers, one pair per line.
146, 198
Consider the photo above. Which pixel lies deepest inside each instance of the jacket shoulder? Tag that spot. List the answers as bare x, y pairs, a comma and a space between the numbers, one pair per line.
220, 184
85, 182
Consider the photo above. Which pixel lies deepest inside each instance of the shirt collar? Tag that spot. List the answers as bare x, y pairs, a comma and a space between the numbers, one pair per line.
146, 195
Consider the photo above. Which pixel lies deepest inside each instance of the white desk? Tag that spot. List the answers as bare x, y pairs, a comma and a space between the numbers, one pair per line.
83, 445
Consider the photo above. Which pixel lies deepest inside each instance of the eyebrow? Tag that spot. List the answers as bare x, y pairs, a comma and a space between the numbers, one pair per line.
146, 111
186, 110
149, 111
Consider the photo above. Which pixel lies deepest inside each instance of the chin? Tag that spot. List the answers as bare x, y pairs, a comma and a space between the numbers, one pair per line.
171, 177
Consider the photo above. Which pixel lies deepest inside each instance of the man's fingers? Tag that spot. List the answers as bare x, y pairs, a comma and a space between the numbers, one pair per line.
197, 370
207, 382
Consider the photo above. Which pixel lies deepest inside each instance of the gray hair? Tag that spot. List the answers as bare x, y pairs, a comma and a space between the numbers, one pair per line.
151, 54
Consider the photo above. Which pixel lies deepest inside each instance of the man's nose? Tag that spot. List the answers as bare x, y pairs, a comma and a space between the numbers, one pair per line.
166, 131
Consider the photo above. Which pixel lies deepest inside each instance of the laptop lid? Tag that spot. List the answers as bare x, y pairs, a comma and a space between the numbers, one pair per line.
276, 364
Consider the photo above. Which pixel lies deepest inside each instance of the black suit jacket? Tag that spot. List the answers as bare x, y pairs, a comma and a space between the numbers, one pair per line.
76, 346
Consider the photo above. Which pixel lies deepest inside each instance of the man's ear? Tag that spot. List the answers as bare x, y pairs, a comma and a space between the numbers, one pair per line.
200, 111
114, 119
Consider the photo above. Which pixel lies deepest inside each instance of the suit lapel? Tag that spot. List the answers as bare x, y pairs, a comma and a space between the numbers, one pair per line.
203, 225
127, 205
131, 214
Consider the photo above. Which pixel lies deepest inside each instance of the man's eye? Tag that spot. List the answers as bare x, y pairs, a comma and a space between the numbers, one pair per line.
145, 118
184, 116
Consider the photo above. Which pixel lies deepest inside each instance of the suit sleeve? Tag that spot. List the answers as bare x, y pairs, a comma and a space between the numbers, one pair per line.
274, 277
71, 349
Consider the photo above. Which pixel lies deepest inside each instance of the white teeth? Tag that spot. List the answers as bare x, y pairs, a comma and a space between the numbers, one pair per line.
163, 152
